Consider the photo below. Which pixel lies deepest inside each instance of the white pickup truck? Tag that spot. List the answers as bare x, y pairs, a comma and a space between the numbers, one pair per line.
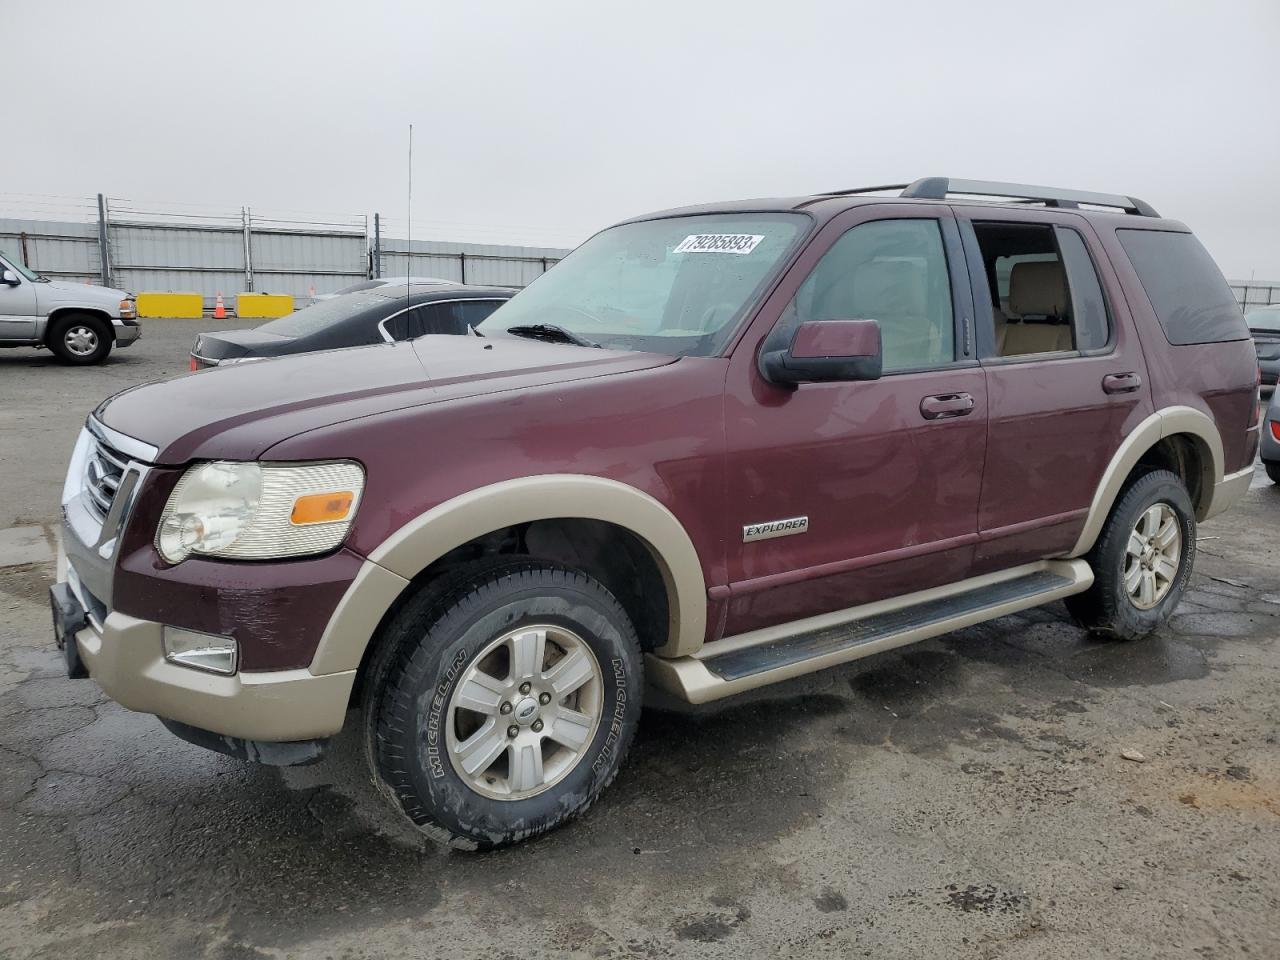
79, 323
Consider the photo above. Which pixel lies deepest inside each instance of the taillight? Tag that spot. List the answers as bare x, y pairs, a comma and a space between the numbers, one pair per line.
1275, 427
192, 365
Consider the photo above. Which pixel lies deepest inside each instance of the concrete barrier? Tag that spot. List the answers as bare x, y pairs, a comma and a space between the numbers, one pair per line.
186, 305
264, 305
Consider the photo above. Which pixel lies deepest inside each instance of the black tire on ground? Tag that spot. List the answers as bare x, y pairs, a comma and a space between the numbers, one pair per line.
1106, 608
1273, 470
80, 339
429, 648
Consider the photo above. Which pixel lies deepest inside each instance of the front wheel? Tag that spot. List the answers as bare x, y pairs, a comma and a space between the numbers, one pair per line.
505, 704
80, 339
1142, 560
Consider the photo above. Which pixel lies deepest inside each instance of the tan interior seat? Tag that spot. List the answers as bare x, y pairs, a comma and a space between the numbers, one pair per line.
1038, 298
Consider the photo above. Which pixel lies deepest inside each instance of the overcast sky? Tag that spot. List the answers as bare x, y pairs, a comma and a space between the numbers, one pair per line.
542, 122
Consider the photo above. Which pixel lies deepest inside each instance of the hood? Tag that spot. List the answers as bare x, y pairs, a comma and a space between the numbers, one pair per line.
222, 344
60, 293
240, 411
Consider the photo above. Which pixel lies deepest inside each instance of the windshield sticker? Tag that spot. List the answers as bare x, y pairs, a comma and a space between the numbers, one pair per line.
740, 243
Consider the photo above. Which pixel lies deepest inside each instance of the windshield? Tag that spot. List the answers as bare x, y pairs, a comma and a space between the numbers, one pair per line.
1266, 318
322, 315
677, 285
20, 267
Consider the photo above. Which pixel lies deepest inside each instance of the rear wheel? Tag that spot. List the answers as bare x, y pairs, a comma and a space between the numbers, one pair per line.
1142, 560
503, 704
79, 338
1273, 471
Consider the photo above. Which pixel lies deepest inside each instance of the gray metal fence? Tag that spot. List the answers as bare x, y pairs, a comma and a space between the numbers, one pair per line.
1254, 294
128, 245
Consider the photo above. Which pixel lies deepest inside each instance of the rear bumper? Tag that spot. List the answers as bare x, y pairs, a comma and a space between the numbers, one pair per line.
126, 658
1228, 490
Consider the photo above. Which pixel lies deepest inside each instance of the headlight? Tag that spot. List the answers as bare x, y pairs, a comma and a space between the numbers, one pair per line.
128, 310
251, 511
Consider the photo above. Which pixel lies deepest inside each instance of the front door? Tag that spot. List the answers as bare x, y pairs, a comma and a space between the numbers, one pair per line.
879, 479
17, 306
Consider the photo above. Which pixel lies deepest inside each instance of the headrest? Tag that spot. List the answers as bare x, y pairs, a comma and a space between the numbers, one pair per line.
1038, 289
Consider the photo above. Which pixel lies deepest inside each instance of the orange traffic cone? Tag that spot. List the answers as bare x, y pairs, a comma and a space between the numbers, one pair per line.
219, 308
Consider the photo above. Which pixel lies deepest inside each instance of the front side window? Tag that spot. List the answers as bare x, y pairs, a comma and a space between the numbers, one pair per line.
19, 267
891, 271
677, 285
1187, 291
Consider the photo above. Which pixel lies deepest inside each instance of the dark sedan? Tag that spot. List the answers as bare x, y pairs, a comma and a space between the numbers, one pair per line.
1264, 324
385, 313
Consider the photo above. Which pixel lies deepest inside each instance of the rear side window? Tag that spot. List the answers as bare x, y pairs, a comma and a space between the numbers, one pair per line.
451, 317
1187, 291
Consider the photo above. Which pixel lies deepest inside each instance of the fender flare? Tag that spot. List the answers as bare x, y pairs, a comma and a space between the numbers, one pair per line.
1166, 422
428, 537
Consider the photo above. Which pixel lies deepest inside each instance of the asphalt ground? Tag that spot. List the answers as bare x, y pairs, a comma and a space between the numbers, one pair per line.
966, 797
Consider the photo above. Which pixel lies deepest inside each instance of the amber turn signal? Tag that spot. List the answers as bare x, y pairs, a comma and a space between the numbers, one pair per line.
321, 507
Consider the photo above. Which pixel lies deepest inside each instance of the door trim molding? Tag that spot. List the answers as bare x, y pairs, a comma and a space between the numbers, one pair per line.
742, 588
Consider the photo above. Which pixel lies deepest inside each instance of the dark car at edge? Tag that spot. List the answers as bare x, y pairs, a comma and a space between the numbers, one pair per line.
383, 314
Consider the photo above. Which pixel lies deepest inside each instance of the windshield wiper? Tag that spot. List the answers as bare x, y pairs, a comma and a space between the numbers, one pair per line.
551, 333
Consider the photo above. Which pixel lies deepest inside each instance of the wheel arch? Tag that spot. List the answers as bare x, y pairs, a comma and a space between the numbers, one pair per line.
398, 564
58, 313
1181, 439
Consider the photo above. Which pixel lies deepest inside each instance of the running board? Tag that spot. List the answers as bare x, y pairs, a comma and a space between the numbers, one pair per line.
749, 660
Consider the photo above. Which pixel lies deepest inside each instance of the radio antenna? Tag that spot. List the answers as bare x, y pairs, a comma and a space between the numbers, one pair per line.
408, 260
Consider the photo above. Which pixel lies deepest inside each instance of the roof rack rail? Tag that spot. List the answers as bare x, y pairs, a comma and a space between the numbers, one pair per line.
939, 188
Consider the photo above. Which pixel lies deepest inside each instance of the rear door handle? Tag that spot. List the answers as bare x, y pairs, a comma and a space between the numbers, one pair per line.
1121, 382
944, 405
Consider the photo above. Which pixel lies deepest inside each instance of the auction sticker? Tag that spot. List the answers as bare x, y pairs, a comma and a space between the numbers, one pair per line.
740, 243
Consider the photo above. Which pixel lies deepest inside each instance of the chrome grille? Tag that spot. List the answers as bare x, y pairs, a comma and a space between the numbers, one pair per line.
103, 471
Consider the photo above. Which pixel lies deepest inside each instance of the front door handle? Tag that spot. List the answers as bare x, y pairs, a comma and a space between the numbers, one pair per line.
944, 405
1121, 382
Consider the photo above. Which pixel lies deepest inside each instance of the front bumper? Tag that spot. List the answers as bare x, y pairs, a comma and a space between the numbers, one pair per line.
126, 332
125, 656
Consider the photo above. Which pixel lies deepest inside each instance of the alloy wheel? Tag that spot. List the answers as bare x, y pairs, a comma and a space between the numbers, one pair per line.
1152, 555
524, 712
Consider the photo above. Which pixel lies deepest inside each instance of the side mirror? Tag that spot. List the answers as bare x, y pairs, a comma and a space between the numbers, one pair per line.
10, 278
826, 350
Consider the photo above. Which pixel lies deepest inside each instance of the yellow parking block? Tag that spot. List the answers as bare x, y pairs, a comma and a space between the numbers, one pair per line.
169, 304
264, 305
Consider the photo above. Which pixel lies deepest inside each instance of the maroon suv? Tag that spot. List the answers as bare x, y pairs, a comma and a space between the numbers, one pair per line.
713, 449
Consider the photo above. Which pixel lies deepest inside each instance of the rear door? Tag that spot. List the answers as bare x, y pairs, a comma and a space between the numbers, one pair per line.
876, 483
1066, 378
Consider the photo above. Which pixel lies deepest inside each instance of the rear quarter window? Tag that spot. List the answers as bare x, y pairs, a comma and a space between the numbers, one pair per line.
1187, 291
